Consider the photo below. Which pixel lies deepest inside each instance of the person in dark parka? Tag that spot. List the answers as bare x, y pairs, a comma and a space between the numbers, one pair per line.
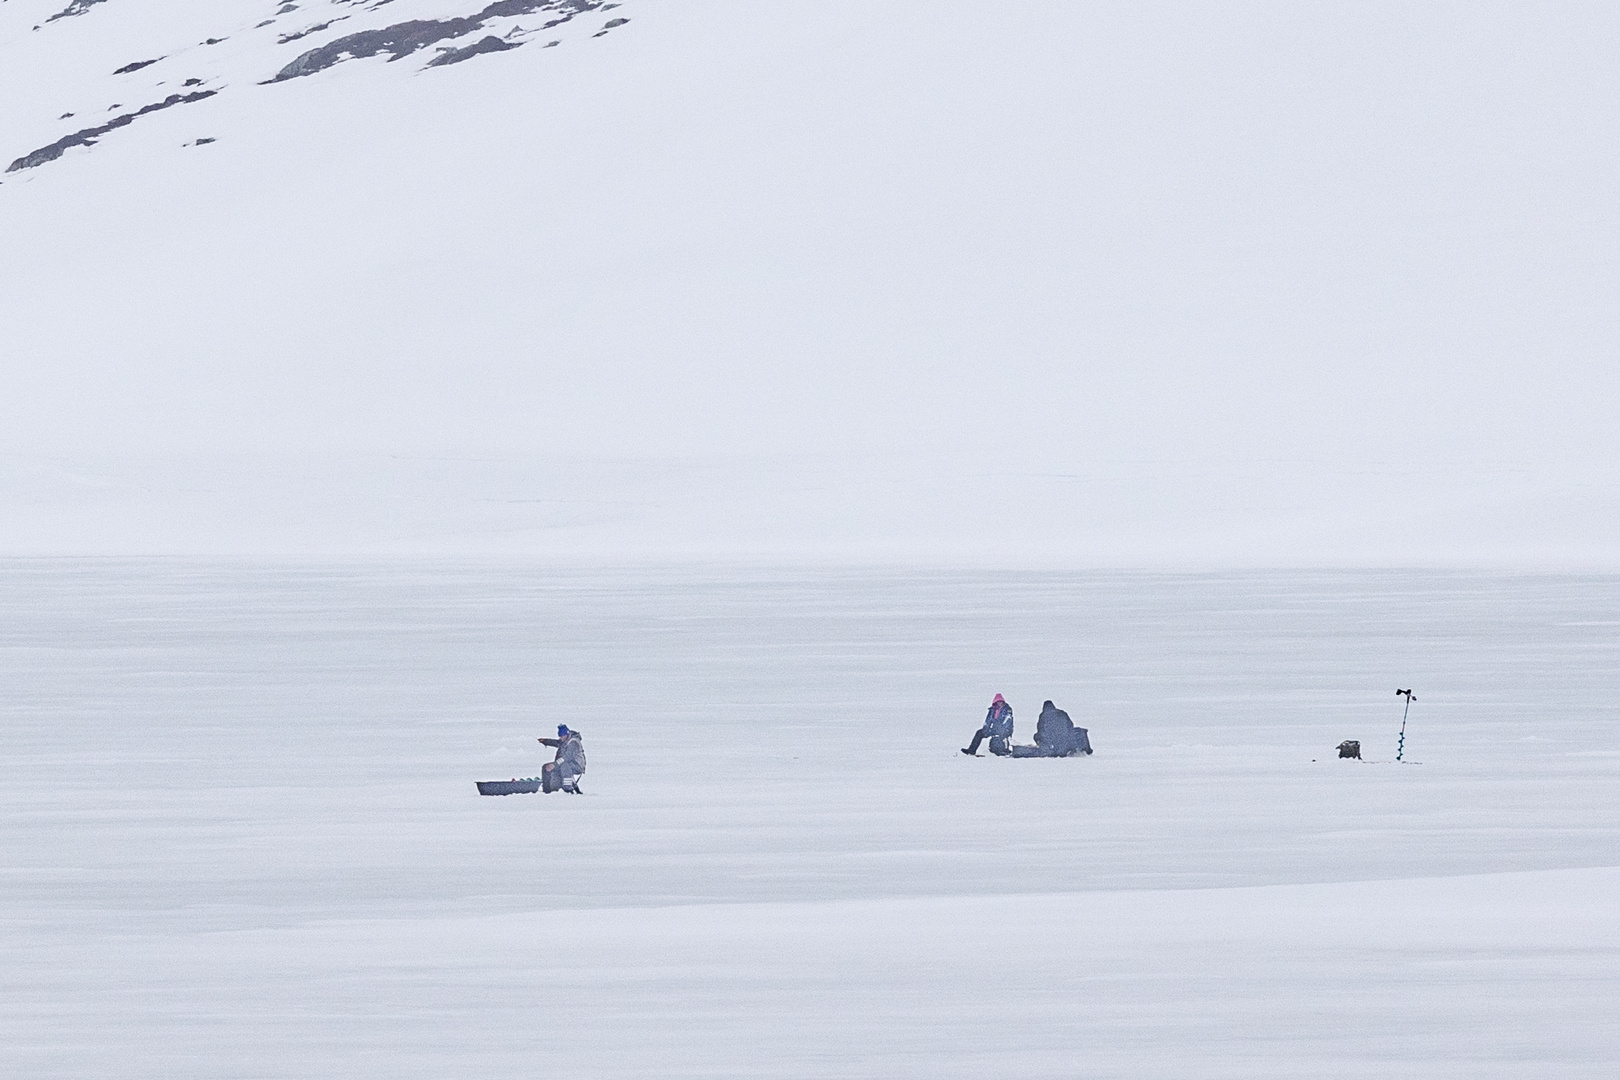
998, 728
1055, 736
568, 766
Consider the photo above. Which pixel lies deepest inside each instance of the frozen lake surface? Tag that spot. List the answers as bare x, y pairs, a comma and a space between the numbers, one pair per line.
240, 836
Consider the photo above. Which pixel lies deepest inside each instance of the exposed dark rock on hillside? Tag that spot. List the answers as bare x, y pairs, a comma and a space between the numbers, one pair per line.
403, 39
399, 40
78, 7
88, 136
485, 45
317, 28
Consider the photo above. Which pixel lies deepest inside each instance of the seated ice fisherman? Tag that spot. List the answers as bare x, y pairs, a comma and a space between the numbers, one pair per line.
1055, 736
565, 770
998, 728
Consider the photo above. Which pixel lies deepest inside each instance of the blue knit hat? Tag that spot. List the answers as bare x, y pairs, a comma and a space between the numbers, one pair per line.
562, 731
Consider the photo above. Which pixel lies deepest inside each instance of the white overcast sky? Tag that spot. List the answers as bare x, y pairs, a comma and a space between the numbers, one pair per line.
1199, 282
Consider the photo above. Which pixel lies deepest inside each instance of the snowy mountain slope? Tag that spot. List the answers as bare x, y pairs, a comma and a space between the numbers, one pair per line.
181, 54
1212, 281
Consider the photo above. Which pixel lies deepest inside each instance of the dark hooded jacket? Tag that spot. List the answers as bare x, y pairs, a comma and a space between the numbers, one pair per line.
1056, 735
998, 722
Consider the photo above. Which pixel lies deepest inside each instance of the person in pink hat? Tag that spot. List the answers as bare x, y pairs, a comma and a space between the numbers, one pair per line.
998, 728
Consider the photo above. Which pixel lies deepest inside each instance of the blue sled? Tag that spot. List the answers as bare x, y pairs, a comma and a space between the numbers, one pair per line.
508, 787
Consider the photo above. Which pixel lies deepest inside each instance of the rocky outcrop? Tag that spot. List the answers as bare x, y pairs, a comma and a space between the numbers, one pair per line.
78, 7
88, 136
474, 31
478, 48
403, 39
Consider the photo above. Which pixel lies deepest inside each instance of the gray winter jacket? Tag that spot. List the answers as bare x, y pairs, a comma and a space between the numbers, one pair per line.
570, 759
571, 756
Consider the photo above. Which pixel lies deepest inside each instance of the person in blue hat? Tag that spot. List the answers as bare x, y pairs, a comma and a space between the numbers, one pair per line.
563, 772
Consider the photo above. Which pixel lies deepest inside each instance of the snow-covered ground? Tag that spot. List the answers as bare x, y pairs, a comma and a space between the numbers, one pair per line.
239, 835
